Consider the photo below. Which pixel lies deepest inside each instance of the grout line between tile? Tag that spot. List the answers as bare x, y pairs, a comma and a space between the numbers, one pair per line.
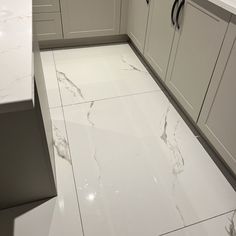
56, 107
197, 223
77, 196
112, 98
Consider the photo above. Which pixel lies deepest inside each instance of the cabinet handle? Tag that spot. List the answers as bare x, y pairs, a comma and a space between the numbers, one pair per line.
173, 10
178, 13
147, 1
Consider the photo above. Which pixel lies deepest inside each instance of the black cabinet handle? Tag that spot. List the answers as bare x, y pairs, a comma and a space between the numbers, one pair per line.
173, 10
178, 13
147, 1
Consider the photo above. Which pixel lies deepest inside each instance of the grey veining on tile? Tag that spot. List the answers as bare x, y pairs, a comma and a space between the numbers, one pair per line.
69, 85
230, 228
138, 168
100, 72
89, 114
95, 157
131, 66
16, 82
95, 153
58, 216
178, 159
66, 219
164, 134
131, 182
180, 214
61, 145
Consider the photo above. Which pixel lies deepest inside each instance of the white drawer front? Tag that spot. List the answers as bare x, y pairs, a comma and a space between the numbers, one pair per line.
46, 6
48, 26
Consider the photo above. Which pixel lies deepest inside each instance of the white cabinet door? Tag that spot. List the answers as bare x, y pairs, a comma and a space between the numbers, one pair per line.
90, 18
218, 116
137, 22
160, 35
195, 51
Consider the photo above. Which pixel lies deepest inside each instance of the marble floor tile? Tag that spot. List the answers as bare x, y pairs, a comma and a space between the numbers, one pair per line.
50, 79
220, 226
96, 73
59, 216
67, 215
139, 170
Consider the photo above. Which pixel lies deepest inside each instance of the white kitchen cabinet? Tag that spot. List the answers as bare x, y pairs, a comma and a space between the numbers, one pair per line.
195, 51
138, 11
48, 26
160, 35
90, 18
47, 19
218, 116
124, 16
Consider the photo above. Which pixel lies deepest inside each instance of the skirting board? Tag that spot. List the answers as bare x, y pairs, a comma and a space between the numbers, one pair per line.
64, 43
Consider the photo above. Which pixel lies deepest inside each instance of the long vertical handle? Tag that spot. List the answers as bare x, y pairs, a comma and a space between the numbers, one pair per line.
178, 13
173, 11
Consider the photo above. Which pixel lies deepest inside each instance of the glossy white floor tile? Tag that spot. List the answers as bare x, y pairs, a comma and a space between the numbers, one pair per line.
69, 222
59, 216
95, 73
134, 164
139, 169
51, 79
219, 226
